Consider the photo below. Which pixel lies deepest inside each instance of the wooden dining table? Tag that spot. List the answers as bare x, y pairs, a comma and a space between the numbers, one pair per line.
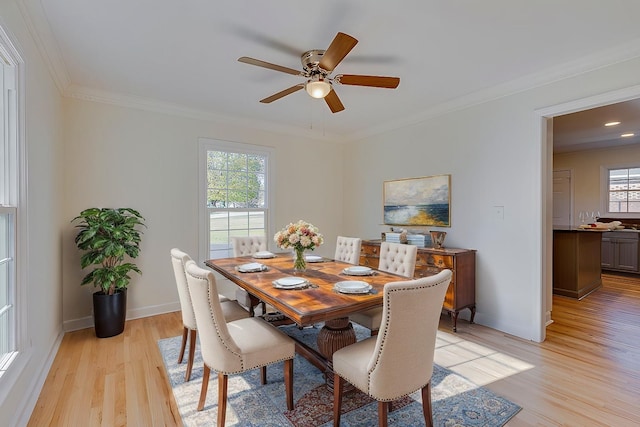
315, 303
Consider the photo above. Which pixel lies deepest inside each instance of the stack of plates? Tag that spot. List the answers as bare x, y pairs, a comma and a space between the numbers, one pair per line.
264, 255
313, 258
290, 283
352, 287
252, 267
358, 271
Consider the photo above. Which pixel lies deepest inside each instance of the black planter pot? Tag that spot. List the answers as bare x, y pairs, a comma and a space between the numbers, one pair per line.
109, 313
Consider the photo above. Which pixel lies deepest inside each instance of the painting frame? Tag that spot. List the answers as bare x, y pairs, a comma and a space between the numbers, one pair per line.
421, 201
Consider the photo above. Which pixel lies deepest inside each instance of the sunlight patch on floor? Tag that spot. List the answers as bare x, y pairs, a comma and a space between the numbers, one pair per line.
481, 365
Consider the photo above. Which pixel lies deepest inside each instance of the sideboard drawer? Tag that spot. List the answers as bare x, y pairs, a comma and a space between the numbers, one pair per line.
435, 260
370, 250
426, 271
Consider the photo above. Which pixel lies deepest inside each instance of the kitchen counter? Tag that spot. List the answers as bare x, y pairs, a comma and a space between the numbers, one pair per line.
601, 230
577, 267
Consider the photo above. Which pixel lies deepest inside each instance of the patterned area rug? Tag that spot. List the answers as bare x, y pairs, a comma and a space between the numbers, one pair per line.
456, 401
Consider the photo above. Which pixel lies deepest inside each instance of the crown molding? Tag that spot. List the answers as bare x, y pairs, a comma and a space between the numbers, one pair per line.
148, 104
620, 53
620, 95
36, 21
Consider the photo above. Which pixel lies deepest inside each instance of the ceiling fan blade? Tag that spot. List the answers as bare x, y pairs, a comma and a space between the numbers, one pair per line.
259, 63
281, 94
373, 81
337, 50
334, 102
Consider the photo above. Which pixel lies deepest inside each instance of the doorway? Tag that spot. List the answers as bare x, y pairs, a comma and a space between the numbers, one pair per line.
562, 199
547, 115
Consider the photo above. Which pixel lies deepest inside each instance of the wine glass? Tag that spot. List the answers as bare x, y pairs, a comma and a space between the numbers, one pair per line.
583, 217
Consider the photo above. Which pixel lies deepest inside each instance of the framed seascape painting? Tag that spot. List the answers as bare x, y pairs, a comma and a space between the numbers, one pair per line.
418, 201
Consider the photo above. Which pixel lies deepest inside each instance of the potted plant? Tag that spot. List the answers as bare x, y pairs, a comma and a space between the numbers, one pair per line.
108, 236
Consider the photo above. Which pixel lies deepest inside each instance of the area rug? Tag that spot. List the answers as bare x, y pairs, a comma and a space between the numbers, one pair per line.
456, 400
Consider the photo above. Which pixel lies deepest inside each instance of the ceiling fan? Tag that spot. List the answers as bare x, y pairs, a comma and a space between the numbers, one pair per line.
317, 68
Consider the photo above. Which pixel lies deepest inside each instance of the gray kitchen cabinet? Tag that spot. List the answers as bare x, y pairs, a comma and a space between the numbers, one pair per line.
620, 251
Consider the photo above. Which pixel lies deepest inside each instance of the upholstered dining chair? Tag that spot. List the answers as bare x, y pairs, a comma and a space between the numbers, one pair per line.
348, 249
234, 347
395, 258
244, 246
399, 360
230, 309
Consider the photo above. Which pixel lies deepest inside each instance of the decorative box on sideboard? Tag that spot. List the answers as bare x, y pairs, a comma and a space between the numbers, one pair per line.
429, 261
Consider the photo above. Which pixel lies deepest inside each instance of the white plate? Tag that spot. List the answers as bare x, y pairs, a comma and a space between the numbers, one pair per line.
353, 287
313, 258
264, 254
251, 267
290, 283
358, 271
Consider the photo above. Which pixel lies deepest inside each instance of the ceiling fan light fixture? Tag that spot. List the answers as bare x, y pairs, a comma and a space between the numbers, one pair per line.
317, 87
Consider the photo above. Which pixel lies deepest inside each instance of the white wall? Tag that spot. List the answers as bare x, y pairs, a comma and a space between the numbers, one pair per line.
586, 167
496, 157
123, 157
43, 283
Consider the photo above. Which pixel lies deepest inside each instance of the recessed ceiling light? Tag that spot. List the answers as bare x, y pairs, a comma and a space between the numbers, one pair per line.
626, 135
612, 123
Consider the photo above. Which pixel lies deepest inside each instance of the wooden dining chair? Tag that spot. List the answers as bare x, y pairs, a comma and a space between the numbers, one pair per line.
395, 258
230, 309
348, 249
234, 347
245, 246
399, 360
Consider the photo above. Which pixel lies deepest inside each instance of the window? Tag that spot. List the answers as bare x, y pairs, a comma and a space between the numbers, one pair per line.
234, 183
7, 288
624, 190
10, 312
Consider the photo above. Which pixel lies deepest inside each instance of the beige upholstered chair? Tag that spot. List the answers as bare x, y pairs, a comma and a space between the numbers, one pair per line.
231, 309
245, 246
395, 258
234, 347
399, 360
348, 249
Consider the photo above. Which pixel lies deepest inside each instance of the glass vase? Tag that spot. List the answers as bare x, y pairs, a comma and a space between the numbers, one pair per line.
299, 262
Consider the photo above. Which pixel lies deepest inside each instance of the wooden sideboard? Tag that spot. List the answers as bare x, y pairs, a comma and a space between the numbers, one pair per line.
429, 261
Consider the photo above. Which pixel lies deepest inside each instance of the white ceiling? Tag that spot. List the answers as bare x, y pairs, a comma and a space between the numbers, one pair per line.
586, 130
181, 56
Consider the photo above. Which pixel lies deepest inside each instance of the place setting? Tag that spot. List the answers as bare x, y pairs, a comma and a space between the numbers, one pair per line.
353, 287
292, 283
315, 258
358, 270
252, 267
263, 255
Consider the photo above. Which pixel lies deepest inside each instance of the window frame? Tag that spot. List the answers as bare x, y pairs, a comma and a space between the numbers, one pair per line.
208, 144
604, 190
14, 197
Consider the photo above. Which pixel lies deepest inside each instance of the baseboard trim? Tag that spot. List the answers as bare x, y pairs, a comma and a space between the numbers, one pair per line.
35, 387
547, 319
136, 313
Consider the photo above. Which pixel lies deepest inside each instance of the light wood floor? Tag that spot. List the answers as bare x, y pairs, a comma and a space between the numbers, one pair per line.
587, 372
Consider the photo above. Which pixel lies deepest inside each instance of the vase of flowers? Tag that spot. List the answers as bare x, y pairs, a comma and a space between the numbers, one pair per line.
299, 236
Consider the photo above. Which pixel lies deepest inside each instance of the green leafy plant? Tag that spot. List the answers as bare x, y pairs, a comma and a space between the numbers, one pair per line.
108, 236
